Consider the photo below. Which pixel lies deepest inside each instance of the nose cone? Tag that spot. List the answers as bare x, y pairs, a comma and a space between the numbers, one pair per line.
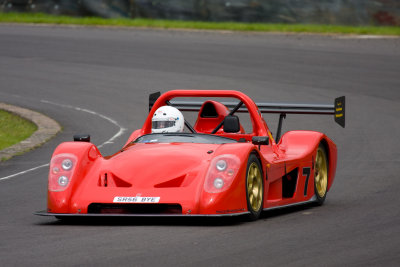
157, 165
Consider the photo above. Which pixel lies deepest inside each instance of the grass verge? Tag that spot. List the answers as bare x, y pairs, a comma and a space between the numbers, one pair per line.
198, 25
14, 129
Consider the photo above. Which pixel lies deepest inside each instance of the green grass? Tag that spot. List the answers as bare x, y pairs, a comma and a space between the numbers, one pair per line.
198, 25
14, 129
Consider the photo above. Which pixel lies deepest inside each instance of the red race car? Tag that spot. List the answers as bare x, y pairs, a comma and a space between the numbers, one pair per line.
220, 166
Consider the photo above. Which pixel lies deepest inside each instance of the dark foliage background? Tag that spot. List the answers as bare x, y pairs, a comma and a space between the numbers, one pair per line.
346, 12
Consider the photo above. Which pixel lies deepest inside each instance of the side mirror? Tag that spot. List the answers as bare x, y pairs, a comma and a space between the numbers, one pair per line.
153, 98
231, 124
260, 140
82, 138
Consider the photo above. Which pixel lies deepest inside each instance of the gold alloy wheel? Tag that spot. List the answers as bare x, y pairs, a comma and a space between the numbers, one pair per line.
321, 172
254, 186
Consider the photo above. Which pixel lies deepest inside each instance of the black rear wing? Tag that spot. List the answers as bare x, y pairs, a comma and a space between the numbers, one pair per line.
337, 109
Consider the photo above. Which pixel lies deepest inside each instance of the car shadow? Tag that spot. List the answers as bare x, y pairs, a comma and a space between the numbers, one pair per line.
269, 214
172, 221
146, 221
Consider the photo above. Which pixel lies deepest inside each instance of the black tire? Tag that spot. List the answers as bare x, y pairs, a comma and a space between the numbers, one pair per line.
254, 187
321, 173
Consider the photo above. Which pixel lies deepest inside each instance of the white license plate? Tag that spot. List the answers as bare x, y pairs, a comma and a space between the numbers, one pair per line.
136, 199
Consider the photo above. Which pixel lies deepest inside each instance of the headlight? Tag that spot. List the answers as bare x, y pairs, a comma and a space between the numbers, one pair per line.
63, 180
218, 183
61, 172
221, 165
66, 164
221, 173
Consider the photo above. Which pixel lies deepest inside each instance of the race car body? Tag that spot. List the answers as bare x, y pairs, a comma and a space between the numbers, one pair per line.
217, 168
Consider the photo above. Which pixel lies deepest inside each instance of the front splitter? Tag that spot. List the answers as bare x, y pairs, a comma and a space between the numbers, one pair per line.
82, 215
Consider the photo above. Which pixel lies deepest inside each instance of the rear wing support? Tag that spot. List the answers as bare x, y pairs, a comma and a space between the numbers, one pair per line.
278, 132
337, 109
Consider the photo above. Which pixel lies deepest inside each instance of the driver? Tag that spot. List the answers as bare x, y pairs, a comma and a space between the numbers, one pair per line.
167, 119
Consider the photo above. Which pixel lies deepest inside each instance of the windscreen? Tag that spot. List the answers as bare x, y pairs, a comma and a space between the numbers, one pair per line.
184, 138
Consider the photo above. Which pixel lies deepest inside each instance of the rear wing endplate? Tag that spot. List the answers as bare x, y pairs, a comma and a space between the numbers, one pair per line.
340, 110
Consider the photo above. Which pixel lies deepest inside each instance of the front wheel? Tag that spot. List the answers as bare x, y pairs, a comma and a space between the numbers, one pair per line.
321, 174
254, 187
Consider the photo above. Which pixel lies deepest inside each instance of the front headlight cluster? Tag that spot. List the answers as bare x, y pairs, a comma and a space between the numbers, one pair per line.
61, 171
221, 173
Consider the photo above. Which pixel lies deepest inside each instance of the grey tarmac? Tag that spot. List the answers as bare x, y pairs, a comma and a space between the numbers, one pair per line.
112, 72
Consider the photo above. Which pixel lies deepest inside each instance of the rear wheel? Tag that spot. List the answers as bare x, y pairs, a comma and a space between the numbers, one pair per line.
254, 187
321, 174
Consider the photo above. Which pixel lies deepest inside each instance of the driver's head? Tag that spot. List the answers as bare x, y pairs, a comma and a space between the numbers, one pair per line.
167, 119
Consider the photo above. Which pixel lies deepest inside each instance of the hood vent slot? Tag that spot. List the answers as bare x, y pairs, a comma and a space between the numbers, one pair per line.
109, 179
176, 182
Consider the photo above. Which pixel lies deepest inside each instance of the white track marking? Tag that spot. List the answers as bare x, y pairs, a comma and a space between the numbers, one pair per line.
366, 37
23, 172
109, 141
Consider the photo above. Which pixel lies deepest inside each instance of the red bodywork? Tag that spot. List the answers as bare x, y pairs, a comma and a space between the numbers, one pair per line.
170, 178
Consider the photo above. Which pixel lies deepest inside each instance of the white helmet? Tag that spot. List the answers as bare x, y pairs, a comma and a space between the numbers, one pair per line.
167, 119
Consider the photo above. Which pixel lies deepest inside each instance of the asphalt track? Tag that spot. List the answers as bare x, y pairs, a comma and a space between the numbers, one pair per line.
97, 81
